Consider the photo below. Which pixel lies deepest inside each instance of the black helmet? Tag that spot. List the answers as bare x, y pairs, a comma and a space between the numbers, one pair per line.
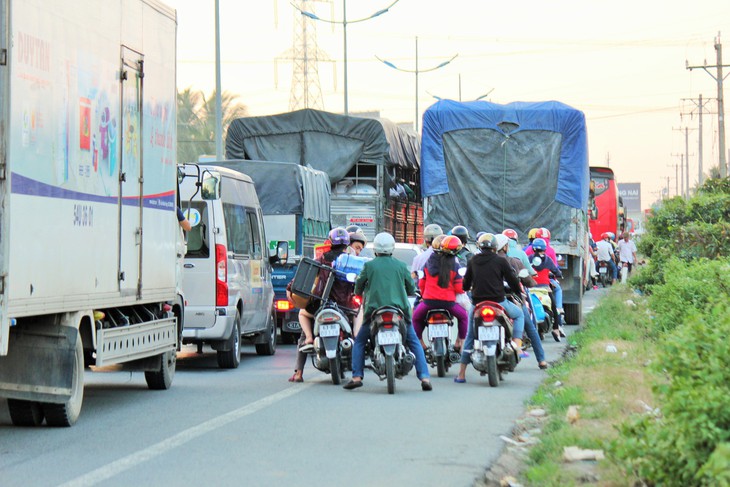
461, 232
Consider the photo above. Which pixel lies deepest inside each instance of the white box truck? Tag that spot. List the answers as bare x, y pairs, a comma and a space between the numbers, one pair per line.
90, 247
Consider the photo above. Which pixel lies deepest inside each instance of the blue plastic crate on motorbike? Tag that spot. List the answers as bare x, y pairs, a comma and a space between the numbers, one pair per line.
537, 307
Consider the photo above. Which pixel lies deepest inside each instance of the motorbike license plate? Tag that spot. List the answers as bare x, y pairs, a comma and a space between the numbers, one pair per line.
388, 337
329, 330
602, 270
438, 331
488, 333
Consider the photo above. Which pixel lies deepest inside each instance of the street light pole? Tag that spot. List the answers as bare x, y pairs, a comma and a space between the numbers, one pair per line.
416, 72
344, 23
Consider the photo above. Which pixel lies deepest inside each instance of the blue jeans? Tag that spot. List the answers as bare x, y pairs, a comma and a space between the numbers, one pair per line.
558, 293
518, 325
532, 334
412, 342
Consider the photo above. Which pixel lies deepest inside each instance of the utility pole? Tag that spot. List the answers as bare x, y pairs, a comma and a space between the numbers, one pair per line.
685, 161
680, 177
676, 177
700, 104
720, 103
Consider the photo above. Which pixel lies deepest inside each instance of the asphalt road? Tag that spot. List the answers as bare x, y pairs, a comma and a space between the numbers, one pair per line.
250, 426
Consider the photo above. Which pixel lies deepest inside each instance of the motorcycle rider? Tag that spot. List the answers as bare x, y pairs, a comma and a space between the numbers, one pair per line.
544, 234
627, 251
503, 243
515, 250
440, 285
385, 281
358, 241
429, 234
605, 253
464, 255
485, 276
341, 293
544, 268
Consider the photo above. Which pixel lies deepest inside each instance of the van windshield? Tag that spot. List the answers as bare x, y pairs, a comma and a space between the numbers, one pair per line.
198, 242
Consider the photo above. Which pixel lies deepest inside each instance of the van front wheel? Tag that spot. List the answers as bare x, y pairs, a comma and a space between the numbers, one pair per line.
269, 346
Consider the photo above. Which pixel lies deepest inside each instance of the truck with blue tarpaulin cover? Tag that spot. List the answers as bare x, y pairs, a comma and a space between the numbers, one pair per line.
519, 165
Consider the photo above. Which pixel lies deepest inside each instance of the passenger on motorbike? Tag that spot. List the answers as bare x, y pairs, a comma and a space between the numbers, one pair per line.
485, 277
530, 238
464, 254
385, 281
605, 254
544, 268
515, 250
358, 241
502, 249
440, 285
627, 251
544, 234
429, 234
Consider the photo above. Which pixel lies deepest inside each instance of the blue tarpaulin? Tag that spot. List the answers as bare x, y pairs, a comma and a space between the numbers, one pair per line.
510, 124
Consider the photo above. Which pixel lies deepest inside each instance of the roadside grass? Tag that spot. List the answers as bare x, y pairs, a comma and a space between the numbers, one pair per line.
607, 387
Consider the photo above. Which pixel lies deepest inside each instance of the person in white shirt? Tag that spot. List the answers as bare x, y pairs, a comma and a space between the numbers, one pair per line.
429, 234
627, 251
604, 253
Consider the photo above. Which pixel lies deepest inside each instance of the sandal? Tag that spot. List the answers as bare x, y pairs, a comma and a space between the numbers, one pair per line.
353, 384
307, 347
543, 365
556, 335
426, 385
295, 378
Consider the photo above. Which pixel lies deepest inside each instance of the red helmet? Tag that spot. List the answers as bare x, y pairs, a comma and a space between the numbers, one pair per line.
605, 235
542, 233
509, 233
451, 245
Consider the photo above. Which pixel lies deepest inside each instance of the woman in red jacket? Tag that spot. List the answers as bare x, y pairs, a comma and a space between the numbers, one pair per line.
440, 284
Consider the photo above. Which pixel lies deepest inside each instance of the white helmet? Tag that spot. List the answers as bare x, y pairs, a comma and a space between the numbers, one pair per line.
502, 241
383, 244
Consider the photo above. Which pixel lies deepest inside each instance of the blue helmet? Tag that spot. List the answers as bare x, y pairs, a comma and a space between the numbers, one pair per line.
539, 244
339, 236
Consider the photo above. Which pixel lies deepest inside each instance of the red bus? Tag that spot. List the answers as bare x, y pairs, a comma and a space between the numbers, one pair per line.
604, 212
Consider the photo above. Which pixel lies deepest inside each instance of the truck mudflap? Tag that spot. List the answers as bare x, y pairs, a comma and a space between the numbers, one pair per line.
133, 342
36, 367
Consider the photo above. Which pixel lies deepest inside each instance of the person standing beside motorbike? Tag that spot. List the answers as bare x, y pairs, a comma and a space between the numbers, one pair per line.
385, 281
485, 277
440, 285
627, 251
341, 292
544, 267
605, 253
503, 243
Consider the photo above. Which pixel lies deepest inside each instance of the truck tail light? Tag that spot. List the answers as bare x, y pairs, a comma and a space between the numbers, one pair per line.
283, 305
221, 275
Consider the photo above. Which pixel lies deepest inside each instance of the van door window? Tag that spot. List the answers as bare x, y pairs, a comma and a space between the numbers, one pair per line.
238, 229
198, 244
255, 234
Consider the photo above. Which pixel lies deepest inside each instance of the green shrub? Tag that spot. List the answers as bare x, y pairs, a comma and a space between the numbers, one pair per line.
689, 288
687, 444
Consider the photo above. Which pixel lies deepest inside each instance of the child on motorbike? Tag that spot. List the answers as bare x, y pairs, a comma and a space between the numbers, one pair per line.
440, 285
385, 281
544, 267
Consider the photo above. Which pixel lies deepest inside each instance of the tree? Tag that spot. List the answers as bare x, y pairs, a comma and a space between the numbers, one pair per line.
196, 122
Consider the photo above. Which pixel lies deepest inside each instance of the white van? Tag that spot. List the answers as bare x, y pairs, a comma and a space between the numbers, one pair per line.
227, 274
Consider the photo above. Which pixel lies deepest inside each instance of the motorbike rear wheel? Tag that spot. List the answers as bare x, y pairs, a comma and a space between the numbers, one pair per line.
492, 371
441, 366
390, 373
335, 370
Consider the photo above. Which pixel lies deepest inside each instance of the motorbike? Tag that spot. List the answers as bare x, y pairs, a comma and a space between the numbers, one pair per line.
542, 309
493, 353
389, 356
440, 352
333, 337
604, 272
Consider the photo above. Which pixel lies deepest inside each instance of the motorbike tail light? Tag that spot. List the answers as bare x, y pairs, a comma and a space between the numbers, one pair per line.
487, 314
221, 276
388, 326
328, 318
387, 317
283, 305
357, 300
439, 318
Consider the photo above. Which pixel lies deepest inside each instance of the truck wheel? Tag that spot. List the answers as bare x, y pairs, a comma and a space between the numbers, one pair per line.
67, 413
269, 347
231, 358
161, 379
25, 413
573, 313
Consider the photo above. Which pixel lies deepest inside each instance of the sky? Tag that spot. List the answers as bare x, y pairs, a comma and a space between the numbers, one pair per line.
623, 63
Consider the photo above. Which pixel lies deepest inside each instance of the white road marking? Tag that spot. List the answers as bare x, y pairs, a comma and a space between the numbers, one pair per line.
130, 461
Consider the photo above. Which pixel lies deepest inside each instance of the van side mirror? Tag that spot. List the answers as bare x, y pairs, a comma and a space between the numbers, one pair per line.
282, 253
210, 187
